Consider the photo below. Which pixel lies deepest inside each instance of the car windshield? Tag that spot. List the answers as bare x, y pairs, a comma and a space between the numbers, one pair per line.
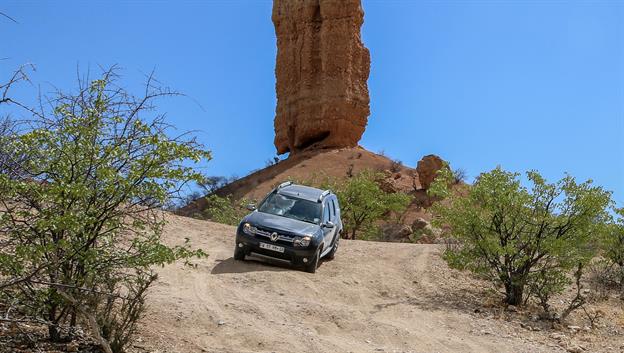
291, 207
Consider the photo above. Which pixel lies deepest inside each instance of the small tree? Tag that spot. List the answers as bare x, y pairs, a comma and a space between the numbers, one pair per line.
459, 175
80, 226
272, 161
213, 183
396, 166
225, 210
522, 237
613, 245
363, 202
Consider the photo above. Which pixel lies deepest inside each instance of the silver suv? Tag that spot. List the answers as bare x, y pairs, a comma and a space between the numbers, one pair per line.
297, 223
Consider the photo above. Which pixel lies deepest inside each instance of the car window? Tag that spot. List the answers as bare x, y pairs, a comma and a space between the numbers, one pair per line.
333, 208
291, 207
326, 213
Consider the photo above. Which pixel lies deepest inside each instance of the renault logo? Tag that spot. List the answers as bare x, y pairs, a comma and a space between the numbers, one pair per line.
274, 236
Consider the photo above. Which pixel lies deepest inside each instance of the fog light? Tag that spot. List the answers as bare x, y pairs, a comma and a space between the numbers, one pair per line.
305, 260
240, 245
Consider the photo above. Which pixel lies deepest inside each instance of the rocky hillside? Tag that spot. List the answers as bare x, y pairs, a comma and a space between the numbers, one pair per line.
314, 166
374, 297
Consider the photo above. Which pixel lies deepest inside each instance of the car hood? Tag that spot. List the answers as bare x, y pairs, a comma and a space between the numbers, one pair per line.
285, 224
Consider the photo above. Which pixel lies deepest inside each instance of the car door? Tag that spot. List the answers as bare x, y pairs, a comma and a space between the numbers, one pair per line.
336, 219
329, 215
328, 233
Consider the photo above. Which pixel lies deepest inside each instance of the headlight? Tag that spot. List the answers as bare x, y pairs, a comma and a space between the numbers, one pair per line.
249, 229
302, 241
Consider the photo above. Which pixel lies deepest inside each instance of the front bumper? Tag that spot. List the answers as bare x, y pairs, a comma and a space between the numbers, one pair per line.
251, 244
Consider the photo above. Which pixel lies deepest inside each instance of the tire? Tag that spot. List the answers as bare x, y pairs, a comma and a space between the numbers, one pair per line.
239, 253
332, 253
311, 266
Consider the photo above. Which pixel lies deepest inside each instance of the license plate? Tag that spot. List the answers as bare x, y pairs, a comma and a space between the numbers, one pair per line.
272, 247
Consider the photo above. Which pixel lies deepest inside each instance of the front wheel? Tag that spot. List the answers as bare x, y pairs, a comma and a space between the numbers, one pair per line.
239, 253
311, 266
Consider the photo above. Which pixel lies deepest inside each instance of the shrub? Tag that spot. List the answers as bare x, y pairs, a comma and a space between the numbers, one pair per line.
208, 185
396, 166
522, 237
213, 183
225, 210
364, 203
419, 233
81, 226
272, 161
350, 171
459, 175
613, 245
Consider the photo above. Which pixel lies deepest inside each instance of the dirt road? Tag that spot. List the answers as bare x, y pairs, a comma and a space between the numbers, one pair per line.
374, 297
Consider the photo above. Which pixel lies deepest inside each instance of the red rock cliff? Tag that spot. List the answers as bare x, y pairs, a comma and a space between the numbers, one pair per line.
321, 69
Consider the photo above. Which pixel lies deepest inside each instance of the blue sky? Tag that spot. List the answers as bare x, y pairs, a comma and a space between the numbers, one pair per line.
522, 84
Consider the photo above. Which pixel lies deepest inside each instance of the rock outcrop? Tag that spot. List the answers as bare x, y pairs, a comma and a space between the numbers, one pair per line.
322, 67
394, 232
427, 169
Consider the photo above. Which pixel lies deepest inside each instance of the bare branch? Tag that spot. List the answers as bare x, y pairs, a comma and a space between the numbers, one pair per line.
9, 17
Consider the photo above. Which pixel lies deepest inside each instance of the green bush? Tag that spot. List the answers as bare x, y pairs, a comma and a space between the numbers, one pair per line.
613, 245
418, 234
522, 238
363, 203
459, 175
225, 210
81, 220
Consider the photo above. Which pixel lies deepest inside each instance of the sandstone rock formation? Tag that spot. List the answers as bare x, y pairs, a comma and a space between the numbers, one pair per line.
427, 169
322, 67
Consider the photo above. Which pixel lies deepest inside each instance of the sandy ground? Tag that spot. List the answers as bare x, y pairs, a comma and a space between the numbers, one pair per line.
374, 297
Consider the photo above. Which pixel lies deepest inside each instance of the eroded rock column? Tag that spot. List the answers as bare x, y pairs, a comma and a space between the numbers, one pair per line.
321, 69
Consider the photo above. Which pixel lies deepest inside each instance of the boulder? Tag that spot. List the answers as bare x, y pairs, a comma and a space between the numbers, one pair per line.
322, 69
388, 182
396, 232
424, 232
427, 169
404, 231
420, 223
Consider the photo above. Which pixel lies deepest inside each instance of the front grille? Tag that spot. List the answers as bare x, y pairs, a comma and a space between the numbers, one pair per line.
282, 238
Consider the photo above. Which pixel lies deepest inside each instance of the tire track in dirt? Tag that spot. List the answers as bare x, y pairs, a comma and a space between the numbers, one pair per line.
374, 297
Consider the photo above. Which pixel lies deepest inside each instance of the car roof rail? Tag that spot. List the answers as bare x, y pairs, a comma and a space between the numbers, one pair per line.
284, 184
325, 193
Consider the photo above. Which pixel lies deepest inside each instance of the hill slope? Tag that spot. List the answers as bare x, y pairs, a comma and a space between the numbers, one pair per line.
307, 166
374, 297
314, 166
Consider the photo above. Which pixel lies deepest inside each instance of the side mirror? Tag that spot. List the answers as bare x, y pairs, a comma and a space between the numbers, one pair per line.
251, 207
329, 224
